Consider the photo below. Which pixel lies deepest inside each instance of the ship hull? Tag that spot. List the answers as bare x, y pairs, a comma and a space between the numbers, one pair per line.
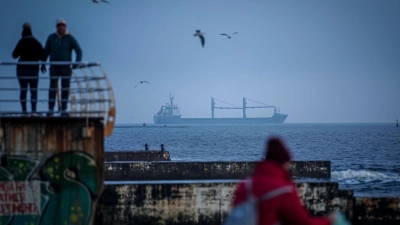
275, 119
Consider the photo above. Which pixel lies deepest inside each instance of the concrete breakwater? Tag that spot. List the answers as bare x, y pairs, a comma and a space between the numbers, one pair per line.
133, 171
144, 155
209, 201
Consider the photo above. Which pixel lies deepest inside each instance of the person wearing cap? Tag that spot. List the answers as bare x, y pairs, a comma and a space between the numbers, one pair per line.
31, 50
272, 174
59, 46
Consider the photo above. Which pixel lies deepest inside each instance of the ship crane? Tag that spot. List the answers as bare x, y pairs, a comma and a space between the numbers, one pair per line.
255, 107
244, 107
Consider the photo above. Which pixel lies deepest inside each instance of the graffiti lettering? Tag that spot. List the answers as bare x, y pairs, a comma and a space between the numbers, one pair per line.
17, 198
18, 209
10, 198
12, 186
42, 193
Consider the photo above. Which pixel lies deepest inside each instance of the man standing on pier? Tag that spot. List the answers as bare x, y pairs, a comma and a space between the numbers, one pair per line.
59, 46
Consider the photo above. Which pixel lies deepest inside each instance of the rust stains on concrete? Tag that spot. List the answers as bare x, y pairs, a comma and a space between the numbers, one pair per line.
199, 203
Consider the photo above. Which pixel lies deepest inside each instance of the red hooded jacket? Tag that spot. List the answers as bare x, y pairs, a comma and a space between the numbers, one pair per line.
286, 208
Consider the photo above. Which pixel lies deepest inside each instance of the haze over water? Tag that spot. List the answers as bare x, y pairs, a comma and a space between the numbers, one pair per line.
319, 61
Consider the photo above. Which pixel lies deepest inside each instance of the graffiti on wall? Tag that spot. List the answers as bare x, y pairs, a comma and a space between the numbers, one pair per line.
61, 189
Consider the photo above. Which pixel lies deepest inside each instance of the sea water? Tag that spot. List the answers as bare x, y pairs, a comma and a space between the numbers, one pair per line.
364, 157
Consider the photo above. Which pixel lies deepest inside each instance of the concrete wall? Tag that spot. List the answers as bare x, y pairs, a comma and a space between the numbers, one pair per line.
45, 159
199, 202
377, 210
137, 156
203, 170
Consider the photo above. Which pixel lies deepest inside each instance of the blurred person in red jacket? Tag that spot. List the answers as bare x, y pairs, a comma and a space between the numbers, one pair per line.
272, 176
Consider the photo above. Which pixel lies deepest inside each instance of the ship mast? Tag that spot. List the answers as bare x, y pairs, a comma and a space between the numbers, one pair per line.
171, 98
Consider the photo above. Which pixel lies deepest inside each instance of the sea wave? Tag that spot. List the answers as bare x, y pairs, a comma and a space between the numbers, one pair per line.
363, 175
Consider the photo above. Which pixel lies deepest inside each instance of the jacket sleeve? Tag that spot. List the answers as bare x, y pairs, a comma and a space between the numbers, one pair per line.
17, 51
47, 48
292, 212
240, 194
77, 48
40, 53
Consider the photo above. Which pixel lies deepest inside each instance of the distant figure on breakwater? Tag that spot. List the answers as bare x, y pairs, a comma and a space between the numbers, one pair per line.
162, 147
271, 176
146, 147
144, 124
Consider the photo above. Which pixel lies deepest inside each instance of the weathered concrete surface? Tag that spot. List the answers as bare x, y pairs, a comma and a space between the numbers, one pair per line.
137, 156
374, 210
200, 202
55, 165
204, 170
41, 137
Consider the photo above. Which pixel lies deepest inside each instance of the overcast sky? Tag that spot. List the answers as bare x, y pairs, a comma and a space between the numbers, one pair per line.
318, 61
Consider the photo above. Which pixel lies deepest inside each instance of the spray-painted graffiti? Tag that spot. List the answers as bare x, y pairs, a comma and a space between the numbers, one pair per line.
58, 190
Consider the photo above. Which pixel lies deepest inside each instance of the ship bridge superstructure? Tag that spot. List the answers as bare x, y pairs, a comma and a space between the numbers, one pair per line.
169, 109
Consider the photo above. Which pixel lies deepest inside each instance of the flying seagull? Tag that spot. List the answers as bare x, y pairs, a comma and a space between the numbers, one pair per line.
228, 35
198, 33
141, 82
97, 1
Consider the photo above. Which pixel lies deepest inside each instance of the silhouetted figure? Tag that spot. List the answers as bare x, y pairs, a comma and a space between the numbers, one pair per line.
144, 124
162, 148
146, 147
28, 49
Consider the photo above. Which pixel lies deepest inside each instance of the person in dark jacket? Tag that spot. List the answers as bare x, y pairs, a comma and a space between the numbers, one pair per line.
59, 46
28, 49
272, 174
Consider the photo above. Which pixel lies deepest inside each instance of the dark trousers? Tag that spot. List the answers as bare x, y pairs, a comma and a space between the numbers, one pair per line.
65, 74
28, 77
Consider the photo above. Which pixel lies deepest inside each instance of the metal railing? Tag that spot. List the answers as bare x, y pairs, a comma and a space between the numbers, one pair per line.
90, 93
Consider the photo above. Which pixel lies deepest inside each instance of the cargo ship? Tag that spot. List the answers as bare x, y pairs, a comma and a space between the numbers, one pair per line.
170, 114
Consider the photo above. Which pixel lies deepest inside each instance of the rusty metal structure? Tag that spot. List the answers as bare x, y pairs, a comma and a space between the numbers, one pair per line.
51, 167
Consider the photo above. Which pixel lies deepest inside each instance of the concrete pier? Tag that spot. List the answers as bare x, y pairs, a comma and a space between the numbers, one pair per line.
208, 202
203, 170
149, 155
377, 210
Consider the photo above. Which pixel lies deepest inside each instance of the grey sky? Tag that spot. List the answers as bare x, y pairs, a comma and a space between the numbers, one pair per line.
319, 61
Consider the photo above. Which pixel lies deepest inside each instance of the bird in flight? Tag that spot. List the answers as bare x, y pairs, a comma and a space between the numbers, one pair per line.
141, 82
198, 33
97, 1
228, 35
